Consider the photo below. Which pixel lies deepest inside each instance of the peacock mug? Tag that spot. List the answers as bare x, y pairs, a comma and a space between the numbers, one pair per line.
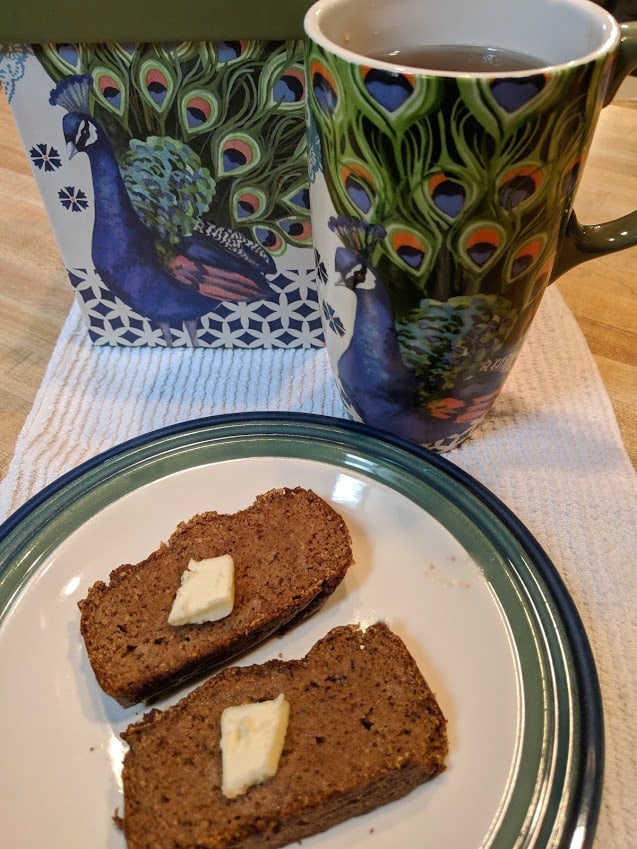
446, 142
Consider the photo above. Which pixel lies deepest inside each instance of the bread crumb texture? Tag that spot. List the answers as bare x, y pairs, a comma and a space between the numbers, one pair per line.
364, 729
290, 549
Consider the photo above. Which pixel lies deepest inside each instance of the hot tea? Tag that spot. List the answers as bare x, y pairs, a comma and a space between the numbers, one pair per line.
460, 58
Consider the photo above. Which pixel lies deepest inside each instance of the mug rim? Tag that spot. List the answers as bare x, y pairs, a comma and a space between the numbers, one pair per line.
320, 8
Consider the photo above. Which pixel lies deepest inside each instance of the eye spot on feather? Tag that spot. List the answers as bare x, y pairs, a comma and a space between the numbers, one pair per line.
324, 88
525, 257
290, 87
512, 93
111, 91
358, 182
156, 85
238, 153
198, 111
519, 185
409, 247
482, 243
448, 195
247, 205
298, 230
389, 89
69, 54
229, 51
270, 239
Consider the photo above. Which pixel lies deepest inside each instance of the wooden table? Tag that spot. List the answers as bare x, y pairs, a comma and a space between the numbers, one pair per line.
35, 295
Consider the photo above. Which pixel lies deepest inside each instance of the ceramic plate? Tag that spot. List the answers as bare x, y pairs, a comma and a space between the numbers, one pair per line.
438, 557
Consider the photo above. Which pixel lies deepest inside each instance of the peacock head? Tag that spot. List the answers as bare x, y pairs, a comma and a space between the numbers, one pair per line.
353, 262
352, 269
80, 130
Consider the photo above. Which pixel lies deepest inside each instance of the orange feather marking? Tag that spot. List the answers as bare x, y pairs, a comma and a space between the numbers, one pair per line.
484, 236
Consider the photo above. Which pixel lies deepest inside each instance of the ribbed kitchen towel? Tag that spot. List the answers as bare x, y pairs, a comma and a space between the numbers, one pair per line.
550, 449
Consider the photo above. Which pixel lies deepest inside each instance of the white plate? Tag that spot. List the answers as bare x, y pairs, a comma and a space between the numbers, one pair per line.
436, 556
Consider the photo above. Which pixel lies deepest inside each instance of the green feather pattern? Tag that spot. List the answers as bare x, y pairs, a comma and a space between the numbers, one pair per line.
241, 122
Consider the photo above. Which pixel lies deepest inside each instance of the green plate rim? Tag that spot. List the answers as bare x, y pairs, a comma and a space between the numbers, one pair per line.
563, 731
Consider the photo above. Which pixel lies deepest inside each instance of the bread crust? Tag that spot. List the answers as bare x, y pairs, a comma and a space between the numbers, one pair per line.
364, 729
291, 550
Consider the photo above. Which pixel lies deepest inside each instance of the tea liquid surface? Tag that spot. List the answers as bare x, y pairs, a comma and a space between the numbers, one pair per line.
460, 58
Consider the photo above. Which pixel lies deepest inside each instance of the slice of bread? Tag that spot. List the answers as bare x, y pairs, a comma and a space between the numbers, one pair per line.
290, 548
364, 729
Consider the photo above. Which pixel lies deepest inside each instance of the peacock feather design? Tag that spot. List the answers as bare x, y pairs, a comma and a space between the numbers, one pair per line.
453, 168
238, 106
473, 180
198, 160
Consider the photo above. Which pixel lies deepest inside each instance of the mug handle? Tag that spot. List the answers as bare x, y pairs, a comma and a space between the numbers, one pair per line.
583, 242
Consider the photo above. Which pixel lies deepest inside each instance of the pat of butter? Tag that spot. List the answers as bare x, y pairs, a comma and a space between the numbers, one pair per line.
252, 738
206, 593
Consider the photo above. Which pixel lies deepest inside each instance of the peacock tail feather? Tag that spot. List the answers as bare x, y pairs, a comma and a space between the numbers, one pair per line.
455, 171
231, 112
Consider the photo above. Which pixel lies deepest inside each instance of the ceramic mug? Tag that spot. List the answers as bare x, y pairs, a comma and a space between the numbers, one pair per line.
442, 200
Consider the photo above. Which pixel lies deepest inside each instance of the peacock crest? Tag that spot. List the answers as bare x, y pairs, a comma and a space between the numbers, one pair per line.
73, 94
358, 236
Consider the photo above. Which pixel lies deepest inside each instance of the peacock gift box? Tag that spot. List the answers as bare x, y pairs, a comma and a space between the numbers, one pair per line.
173, 169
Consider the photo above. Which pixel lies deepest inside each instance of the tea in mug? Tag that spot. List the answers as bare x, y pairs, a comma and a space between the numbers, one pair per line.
460, 58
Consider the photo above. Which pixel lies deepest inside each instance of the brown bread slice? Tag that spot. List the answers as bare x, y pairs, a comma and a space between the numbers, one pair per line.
291, 550
364, 729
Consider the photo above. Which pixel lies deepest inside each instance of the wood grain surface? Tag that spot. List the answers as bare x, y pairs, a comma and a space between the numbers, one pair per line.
35, 295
